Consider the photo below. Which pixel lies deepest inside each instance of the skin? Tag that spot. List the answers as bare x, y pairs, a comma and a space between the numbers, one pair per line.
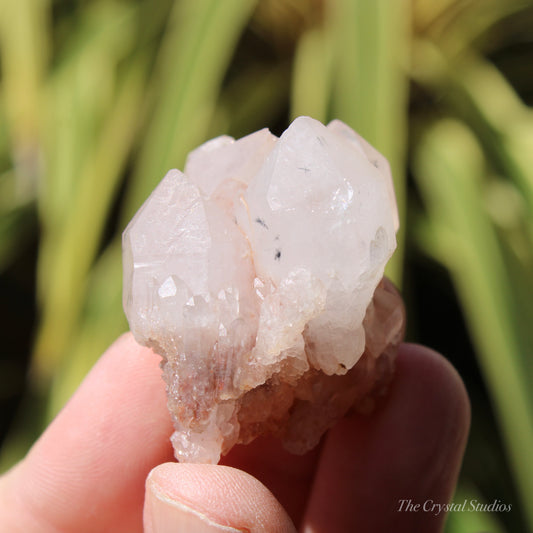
105, 462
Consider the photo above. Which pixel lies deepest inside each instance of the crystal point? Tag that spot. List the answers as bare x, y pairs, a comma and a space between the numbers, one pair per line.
257, 274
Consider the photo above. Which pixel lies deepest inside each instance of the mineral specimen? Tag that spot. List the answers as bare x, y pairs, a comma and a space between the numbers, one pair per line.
257, 274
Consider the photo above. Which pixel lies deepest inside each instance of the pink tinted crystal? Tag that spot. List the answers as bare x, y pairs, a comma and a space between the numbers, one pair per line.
257, 274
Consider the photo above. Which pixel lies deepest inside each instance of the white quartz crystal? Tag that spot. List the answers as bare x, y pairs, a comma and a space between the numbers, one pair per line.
255, 268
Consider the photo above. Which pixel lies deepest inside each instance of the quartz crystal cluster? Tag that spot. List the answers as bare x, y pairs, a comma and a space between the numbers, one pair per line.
257, 274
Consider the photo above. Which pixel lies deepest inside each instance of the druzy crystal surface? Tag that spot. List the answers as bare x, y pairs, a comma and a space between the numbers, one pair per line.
257, 274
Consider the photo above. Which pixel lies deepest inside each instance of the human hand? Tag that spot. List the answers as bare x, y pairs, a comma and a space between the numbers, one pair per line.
87, 472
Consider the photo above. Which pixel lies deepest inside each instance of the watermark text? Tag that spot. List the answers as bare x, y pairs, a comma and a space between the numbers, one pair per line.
408, 505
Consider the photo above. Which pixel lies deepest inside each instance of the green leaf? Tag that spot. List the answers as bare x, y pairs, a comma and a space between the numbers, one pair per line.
371, 85
450, 172
68, 250
197, 48
312, 74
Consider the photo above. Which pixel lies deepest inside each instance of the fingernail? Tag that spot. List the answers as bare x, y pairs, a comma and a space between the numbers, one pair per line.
170, 516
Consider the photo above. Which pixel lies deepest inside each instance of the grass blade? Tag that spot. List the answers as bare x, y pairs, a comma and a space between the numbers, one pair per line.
24, 45
311, 75
73, 230
449, 173
371, 86
198, 45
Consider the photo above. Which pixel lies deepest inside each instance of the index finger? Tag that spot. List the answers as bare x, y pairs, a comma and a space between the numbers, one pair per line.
88, 469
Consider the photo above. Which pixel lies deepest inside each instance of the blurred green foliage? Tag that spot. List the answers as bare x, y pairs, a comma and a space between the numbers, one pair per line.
98, 99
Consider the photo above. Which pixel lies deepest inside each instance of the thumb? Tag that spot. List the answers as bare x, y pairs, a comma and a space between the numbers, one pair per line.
210, 498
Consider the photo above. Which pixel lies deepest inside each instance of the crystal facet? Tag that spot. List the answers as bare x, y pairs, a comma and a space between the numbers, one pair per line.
257, 274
